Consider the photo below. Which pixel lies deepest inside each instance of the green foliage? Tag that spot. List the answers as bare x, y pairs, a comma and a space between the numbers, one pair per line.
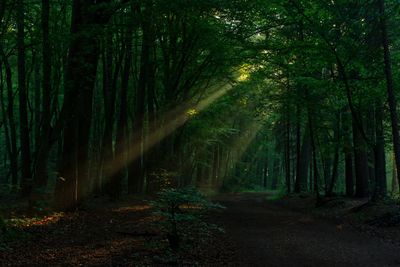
182, 215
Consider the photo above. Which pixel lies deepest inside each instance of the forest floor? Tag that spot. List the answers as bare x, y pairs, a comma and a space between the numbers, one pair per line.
258, 232
101, 233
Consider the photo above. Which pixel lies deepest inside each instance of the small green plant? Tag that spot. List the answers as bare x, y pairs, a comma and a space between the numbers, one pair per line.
181, 213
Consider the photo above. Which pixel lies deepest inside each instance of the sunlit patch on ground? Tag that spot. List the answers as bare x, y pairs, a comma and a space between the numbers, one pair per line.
29, 222
133, 208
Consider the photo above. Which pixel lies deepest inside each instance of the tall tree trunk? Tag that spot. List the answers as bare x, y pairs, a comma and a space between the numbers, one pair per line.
335, 167
151, 152
265, 173
390, 85
136, 171
4, 117
215, 165
275, 173
298, 149
80, 74
348, 155
121, 141
395, 181
371, 130
37, 104
13, 151
314, 156
304, 162
136, 174
109, 96
326, 159
380, 190
26, 175
287, 157
44, 145
361, 163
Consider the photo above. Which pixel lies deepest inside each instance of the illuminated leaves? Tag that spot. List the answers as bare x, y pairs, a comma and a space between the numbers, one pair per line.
192, 112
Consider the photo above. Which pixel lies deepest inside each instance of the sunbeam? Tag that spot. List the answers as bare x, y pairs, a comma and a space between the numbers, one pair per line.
239, 148
172, 121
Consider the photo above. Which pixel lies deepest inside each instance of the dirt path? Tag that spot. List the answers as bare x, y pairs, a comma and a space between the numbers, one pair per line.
266, 234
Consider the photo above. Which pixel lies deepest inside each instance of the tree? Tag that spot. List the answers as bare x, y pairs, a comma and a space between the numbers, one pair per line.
88, 19
26, 179
390, 85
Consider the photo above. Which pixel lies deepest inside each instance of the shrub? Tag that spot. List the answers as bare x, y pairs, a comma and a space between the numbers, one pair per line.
181, 213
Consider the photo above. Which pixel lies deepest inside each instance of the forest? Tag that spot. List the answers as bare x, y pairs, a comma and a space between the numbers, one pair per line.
199, 133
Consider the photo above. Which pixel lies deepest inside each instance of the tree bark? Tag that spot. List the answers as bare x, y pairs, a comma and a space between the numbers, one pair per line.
315, 164
86, 23
287, 157
121, 141
109, 97
298, 150
395, 181
380, 190
361, 163
348, 155
304, 162
13, 151
390, 85
136, 173
335, 167
275, 173
26, 175
44, 146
